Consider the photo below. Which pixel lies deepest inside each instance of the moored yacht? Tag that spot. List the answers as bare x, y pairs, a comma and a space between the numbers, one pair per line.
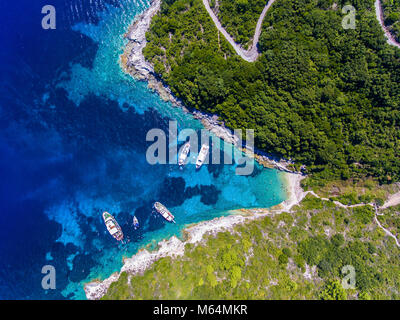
184, 154
202, 156
112, 226
162, 210
135, 223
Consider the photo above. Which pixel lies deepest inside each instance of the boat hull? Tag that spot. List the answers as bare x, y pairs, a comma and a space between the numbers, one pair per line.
135, 223
164, 212
202, 156
184, 154
112, 226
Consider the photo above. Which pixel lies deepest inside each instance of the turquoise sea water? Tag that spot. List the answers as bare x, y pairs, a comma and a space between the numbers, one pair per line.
86, 131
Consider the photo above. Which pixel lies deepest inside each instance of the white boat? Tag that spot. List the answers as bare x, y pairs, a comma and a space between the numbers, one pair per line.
202, 155
112, 226
161, 209
135, 222
184, 154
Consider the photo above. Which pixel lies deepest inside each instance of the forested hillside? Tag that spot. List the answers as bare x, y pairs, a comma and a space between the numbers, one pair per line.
296, 255
391, 9
324, 96
239, 17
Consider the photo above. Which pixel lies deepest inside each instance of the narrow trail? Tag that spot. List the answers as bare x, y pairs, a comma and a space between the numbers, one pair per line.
252, 54
379, 16
386, 230
393, 200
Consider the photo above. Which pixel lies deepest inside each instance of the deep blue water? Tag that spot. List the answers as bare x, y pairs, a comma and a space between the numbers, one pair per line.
72, 145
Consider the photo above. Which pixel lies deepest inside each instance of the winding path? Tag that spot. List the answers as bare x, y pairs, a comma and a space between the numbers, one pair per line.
379, 16
393, 200
252, 54
388, 233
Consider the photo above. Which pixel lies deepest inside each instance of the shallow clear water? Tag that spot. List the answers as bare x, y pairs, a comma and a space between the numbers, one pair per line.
73, 145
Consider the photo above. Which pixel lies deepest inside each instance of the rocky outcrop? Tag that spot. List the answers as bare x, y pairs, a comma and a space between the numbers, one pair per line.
138, 264
134, 59
97, 289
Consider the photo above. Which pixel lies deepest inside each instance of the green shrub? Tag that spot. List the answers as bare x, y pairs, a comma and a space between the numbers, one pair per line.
333, 290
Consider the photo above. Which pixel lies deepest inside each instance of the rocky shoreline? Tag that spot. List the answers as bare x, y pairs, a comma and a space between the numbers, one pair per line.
132, 60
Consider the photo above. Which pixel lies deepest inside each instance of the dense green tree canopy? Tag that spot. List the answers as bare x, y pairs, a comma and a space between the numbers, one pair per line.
324, 96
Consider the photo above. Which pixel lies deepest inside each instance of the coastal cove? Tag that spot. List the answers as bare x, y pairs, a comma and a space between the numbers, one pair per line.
192, 196
79, 106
